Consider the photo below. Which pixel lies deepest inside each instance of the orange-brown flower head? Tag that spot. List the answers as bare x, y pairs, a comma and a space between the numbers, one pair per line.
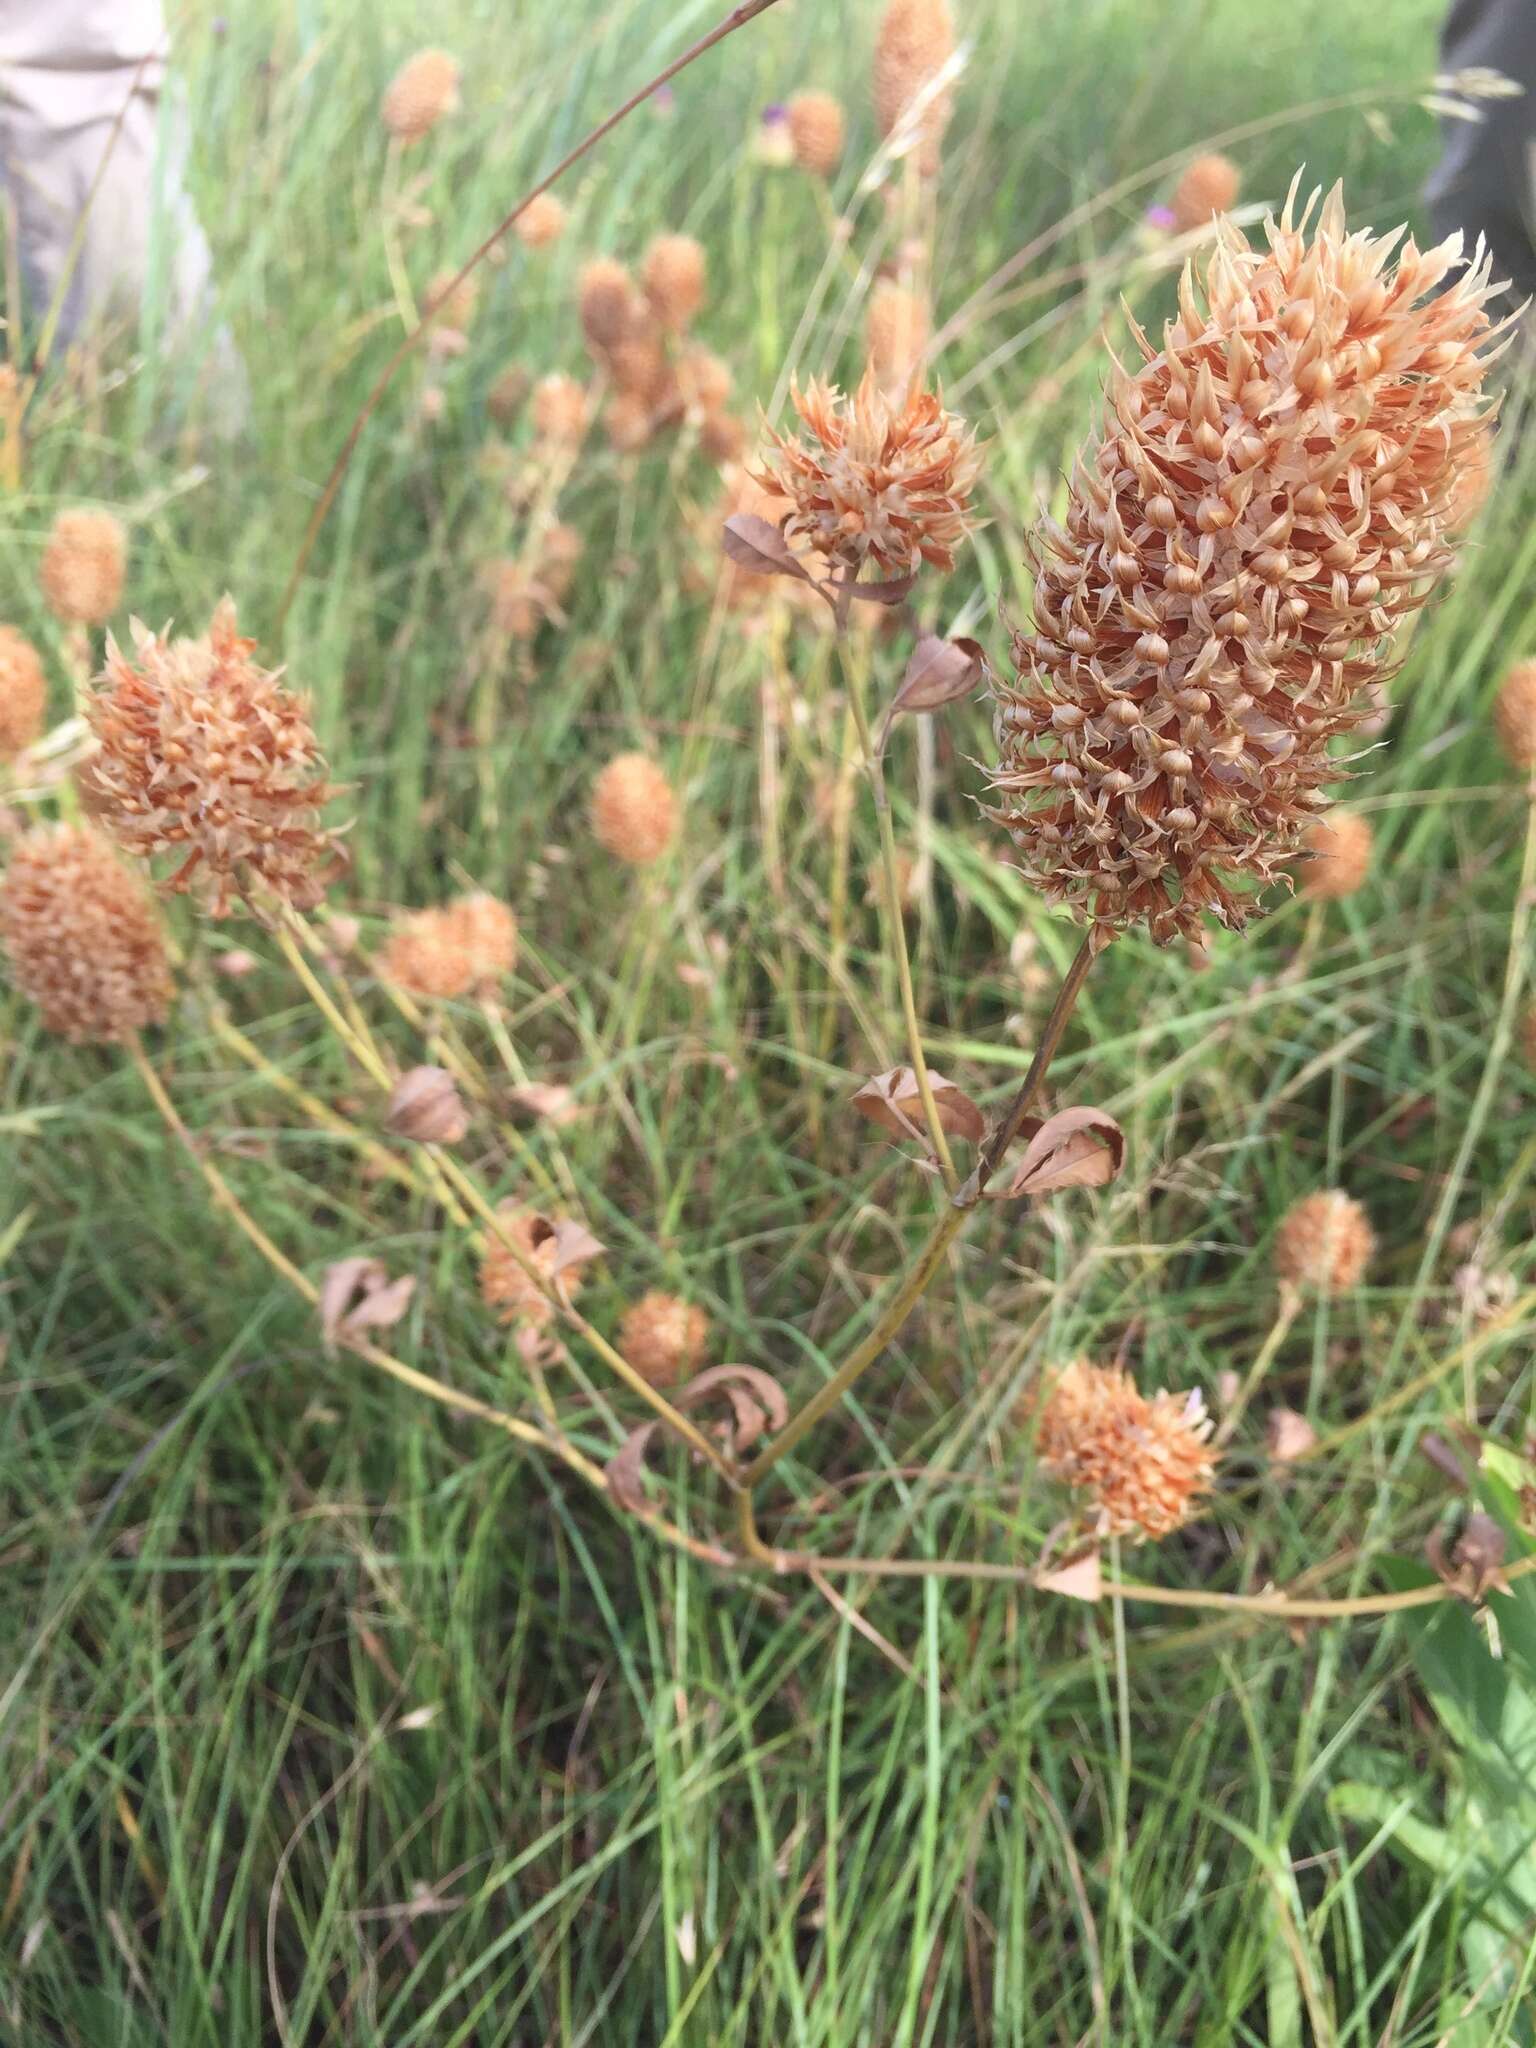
1207, 186
723, 437
816, 129
421, 93
916, 40
896, 333
506, 1286
663, 1337
1514, 717
205, 755
508, 394
468, 947
1266, 500
630, 422
704, 380
1474, 479
1144, 1462
1338, 858
607, 303
640, 367
83, 566
541, 221
82, 937
674, 274
634, 810
23, 693
512, 597
878, 480
560, 410
560, 550
1324, 1243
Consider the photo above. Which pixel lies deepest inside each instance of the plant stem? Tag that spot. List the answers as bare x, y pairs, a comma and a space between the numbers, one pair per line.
1290, 1302
739, 16
948, 1227
896, 925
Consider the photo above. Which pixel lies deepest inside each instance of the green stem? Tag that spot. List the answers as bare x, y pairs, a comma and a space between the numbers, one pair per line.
948, 1227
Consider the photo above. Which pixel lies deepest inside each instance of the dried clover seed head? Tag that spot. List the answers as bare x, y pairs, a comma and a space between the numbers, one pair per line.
663, 1337
634, 810
1338, 860
816, 128
421, 93
1514, 717
1268, 497
1208, 186
1145, 1462
1324, 1243
82, 937
83, 566
206, 756
916, 39
23, 693
465, 948
876, 478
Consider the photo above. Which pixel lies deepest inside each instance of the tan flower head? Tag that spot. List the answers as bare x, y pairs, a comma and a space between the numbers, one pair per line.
506, 1287
640, 367
1208, 186
1144, 1462
1267, 499
508, 394
1324, 1243
541, 221
421, 93
634, 810
83, 566
896, 333
1514, 717
630, 422
82, 936
204, 755
607, 303
816, 129
1338, 858
704, 380
663, 1337
23, 693
467, 947
674, 275
560, 409
878, 480
916, 40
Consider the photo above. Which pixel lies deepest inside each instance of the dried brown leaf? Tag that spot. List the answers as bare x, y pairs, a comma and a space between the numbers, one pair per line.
1081, 1579
891, 591
625, 1470
756, 544
756, 1399
939, 672
1076, 1148
892, 1100
357, 1294
549, 1101
574, 1245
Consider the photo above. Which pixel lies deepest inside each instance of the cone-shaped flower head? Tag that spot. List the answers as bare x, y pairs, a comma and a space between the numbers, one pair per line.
634, 810
674, 275
1208, 186
663, 1337
607, 304
816, 129
465, 948
541, 221
1267, 498
559, 409
82, 937
1145, 1462
23, 693
896, 333
1514, 717
421, 93
1324, 1243
916, 40
206, 756
82, 567
877, 479
1338, 858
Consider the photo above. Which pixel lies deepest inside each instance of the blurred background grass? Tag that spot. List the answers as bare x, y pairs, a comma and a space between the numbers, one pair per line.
650, 1804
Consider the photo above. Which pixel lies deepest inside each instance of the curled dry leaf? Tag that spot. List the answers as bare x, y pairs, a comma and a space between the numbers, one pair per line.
356, 1295
424, 1106
574, 1244
1076, 1148
890, 591
756, 544
757, 1404
892, 1100
549, 1101
1475, 1563
1080, 1579
939, 672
